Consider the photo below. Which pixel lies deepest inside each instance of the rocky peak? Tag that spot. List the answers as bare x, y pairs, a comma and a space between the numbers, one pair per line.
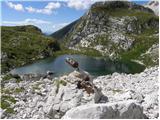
114, 28
110, 27
120, 4
154, 5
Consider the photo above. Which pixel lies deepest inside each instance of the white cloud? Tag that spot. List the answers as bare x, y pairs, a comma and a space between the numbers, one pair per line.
48, 9
27, 22
45, 26
79, 4
30, 9
18, 7
34, 10
37, 21
84, 4
53, 5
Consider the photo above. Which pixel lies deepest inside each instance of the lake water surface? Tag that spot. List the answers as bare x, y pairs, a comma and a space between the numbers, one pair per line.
95, 66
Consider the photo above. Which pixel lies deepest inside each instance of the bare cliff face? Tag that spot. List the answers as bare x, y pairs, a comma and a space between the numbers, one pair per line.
154, 5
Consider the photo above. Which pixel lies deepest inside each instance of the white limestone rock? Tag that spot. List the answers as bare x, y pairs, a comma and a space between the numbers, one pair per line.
118, 110
154, 5
69, 96
119, 88
11, 85
142, 87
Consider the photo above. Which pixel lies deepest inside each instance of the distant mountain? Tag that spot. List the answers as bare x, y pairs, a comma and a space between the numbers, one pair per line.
62, 32
117, 29
154, 5
24, 44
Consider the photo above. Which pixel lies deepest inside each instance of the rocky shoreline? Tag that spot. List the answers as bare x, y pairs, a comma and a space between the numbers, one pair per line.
119, 94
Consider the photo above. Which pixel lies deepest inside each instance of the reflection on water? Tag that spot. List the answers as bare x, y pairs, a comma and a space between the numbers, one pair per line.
95, 66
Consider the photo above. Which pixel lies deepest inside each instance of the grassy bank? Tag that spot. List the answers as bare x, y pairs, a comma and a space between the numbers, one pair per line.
24, 44
83, 51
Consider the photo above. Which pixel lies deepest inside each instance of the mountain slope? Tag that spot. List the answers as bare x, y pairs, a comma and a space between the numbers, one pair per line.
117, 29
23, 44
62, 32
154, 5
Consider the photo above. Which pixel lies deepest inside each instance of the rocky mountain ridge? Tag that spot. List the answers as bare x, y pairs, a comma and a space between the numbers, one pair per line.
116, 29
154, 5
61, 33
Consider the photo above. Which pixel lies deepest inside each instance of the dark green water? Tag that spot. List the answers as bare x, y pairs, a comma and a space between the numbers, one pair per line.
95, 66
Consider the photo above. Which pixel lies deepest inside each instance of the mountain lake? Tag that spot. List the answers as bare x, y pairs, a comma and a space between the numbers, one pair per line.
94, 65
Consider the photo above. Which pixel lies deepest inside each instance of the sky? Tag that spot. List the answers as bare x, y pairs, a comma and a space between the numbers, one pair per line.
48, 15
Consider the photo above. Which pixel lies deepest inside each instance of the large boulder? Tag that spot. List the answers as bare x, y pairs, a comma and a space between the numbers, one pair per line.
118, 110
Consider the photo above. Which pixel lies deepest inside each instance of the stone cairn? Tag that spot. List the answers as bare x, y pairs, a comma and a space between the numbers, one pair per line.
85, 81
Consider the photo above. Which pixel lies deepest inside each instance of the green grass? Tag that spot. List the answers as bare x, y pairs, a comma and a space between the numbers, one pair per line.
36, 86
83, 51
7, 77
5, 103
58, 82
120, 12
116, 91
9, 98
62, 82
149, 60
25, 44
6, 91
141, 44
18, 80
10, 110
19, 90
12, 91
